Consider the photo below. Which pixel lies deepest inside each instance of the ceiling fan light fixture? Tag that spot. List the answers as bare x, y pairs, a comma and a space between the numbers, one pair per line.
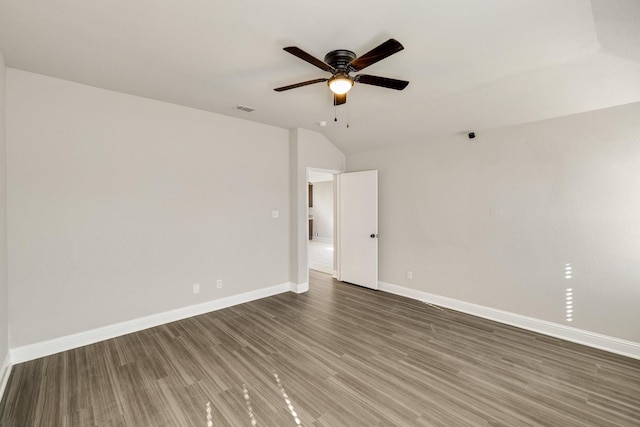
340, 84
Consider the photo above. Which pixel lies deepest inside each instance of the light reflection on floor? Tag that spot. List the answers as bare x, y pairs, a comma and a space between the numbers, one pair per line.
286, 399
209, 418
247, 399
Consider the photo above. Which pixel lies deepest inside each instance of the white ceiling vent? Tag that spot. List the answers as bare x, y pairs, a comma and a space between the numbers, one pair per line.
244, 108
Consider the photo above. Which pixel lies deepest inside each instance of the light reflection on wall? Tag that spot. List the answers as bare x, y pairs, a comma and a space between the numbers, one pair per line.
568, 275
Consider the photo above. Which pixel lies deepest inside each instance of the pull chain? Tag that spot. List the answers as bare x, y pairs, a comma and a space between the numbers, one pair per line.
335, 111
347, 116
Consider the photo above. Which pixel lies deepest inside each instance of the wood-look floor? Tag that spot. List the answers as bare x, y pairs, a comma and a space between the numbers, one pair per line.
338, 355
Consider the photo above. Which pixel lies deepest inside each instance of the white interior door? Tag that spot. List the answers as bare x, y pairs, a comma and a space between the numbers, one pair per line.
358, 228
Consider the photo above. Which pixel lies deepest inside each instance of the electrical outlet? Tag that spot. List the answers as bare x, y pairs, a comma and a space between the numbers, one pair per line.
196, 288
409, 274
219, 283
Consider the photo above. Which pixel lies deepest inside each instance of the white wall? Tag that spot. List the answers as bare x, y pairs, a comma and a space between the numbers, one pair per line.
323, 210
4, 295
119, 204
308, 149
493, 221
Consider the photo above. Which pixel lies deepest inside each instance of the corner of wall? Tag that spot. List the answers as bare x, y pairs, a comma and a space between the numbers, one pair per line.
5, 368
293, 205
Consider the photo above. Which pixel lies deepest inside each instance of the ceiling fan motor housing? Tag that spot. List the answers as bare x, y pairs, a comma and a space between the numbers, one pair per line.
340, 59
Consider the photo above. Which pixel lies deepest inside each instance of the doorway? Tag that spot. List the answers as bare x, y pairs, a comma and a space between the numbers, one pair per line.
321, 219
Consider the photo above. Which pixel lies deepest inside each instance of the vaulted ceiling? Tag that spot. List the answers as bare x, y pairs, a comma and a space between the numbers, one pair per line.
472, 65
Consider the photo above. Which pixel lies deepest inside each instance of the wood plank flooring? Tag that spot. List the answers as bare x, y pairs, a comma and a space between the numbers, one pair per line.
338, 355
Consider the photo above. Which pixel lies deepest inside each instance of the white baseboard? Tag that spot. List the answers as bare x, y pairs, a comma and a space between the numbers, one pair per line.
5, 371
45, 348
591, 339
300, 288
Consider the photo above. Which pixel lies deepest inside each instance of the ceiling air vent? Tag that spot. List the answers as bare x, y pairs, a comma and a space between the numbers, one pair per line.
244, 108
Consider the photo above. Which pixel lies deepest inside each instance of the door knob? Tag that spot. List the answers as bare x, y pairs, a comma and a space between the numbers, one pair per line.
373, 236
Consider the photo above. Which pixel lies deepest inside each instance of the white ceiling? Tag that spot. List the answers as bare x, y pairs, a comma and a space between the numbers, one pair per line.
472, 65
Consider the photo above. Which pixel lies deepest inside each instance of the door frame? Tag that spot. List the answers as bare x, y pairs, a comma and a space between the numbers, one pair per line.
333, 172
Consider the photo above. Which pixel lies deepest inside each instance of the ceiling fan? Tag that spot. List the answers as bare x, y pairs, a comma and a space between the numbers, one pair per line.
340, 63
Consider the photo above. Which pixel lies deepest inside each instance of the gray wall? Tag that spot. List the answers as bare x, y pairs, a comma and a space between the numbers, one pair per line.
4, 296
119, 204
494, 220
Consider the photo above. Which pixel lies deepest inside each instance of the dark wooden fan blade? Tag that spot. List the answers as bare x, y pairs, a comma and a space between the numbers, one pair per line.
387, 48
339, 99
293, 86
296, 51
381, 81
